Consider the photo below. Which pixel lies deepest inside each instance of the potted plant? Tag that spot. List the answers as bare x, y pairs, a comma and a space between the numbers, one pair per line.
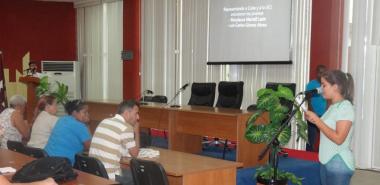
59, 91
256, 132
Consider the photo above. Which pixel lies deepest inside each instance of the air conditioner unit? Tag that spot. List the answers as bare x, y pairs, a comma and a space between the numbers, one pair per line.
66, 72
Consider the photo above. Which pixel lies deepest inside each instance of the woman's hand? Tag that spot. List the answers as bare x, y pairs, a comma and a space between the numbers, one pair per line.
312, 117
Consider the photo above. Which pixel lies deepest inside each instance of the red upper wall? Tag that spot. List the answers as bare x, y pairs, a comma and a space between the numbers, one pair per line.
46, 29
326, 34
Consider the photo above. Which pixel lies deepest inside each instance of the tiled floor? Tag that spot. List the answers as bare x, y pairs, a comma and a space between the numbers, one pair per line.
365, 177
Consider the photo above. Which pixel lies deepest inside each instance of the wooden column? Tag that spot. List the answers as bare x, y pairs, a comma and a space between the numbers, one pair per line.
31, 83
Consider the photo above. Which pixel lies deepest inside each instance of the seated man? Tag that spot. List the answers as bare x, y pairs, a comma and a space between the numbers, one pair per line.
116, 137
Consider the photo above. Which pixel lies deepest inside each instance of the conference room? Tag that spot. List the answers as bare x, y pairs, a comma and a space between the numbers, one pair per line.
195, 68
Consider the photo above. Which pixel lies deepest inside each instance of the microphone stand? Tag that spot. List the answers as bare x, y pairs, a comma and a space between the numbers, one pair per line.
275, 144
175, 96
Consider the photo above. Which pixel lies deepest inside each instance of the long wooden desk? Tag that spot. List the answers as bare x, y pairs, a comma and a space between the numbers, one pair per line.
17, 160
187, 125
189, 169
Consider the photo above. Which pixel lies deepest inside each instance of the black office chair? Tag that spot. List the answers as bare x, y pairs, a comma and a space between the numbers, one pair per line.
230, 94
89, 164
35, 152
202, 94
16, 146
159, 99
252, 108
148, 172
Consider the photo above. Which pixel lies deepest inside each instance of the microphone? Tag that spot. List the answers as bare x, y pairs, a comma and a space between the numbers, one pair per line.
148, 91
176, 94
143, 98
312, 91
184, 87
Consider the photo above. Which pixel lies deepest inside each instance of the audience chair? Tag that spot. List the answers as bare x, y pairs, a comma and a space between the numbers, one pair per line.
202, 94
230, 94
145, 139
89, 164
160, 99
35, 152
148, 172
16, 146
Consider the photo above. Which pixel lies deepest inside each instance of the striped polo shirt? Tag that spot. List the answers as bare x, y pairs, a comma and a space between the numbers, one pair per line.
112, 139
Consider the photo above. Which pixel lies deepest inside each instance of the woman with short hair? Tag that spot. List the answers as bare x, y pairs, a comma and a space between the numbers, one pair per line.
15, 128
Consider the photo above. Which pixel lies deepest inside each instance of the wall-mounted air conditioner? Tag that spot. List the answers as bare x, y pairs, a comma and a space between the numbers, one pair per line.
66, 72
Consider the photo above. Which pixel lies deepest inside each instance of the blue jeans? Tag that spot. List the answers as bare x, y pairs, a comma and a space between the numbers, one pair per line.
335, 172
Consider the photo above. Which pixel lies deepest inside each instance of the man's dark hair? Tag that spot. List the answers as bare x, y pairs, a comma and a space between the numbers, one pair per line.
126, 105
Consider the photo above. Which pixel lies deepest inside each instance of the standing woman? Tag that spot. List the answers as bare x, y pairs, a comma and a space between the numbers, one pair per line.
336, 127
43, 121
70, 134
15, 127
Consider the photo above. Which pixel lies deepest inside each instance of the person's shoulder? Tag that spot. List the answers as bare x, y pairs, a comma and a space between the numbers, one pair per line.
313, 83
347, 104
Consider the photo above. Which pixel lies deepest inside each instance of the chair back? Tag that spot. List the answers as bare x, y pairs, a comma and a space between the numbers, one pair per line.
35, 152
202, 94
252, 108
89, 164
230, 94
148, 172
159, 99
16, 146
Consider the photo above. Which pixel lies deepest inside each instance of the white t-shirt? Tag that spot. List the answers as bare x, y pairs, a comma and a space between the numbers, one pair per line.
41, 130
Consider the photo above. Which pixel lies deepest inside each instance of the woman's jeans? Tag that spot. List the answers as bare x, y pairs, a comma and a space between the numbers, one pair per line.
335, 172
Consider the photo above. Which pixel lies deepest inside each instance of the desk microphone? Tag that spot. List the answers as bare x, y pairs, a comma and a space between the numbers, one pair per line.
143, 98
176, 94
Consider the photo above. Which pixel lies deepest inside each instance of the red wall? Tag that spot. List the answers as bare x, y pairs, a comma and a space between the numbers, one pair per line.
46, 29
131, 36
326, 34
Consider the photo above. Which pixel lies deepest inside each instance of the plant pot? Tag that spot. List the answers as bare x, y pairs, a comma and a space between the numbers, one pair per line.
261, 181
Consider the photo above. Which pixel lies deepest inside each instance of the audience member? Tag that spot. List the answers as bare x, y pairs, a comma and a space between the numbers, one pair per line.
44, 121
70, 134
15, 128
316, 104
48, 181
336, 126
116, 137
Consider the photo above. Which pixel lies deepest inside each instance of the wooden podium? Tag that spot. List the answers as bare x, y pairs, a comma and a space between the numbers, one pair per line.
31, 83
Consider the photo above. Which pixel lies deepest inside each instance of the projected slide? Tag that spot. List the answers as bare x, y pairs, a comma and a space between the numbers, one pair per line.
249, 31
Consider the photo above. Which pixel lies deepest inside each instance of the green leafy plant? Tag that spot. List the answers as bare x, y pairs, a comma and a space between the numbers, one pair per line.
43, 87
60, 91
260, 132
